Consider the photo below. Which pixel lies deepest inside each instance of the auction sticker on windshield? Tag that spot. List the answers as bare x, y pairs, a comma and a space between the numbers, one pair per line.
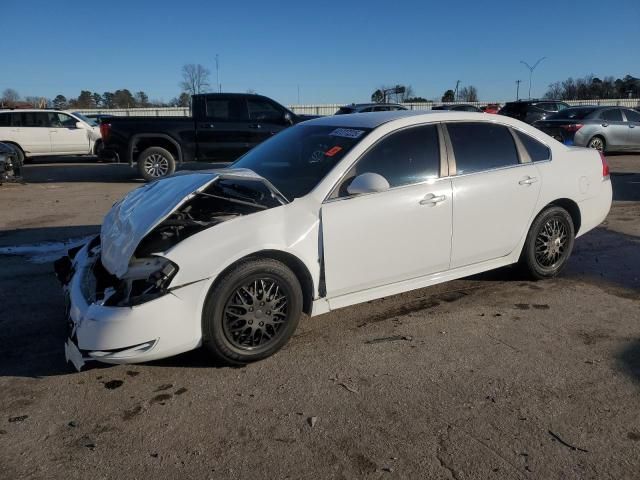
347, 133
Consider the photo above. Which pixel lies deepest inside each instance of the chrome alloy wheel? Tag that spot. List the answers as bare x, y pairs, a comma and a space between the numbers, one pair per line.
597, 143
255, 314
156, 165
551, 242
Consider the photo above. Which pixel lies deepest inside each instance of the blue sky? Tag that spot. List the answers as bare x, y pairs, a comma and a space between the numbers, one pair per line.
337, 52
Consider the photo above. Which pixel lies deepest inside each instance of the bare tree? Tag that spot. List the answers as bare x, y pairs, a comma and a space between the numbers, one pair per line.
195, 79
9, 97
469, 94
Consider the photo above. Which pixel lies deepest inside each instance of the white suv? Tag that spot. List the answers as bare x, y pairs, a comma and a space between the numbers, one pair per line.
34, 133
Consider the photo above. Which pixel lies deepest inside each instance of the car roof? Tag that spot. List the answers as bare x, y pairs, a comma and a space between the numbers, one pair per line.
375, 119
29, 110
358, 105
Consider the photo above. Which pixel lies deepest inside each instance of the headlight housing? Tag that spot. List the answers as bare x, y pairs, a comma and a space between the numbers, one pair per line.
146, 280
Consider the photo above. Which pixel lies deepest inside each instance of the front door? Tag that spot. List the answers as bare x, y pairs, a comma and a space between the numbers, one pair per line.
633, 129
615, 128
377, 239
65, 136
266, 118
494, 194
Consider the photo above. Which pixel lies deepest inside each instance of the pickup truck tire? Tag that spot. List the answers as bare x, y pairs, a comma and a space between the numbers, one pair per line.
155, 163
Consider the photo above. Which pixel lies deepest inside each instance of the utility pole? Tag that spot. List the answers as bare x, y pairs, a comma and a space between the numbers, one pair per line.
219, 87
518, 89
531, 69
455, 95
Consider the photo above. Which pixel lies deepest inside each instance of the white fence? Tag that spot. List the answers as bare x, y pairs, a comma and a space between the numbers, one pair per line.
330, 109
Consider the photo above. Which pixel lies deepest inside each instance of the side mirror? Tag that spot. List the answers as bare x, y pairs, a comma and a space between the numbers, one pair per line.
79, 125
368, 183
288, 118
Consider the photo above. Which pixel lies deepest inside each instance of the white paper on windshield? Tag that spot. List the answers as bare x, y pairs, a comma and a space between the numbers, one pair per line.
347, 133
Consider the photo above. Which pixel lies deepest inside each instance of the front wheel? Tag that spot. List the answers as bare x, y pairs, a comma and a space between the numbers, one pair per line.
155, 163
252, 311
549, 244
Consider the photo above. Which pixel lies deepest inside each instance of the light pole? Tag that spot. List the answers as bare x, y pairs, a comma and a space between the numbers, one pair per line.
218, 74
518, 89
531, 69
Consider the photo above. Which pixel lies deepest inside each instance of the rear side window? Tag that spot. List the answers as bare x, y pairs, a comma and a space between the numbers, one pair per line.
34, 119
4, 120
536, 150
481, 146
226, 109
409, 156
630, 114
614, 115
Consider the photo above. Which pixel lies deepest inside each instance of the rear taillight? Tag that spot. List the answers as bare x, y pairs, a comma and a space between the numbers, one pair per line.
105, 130
572, 128
605, 166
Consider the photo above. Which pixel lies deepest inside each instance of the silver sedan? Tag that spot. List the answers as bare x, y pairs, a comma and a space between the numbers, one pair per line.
608, 129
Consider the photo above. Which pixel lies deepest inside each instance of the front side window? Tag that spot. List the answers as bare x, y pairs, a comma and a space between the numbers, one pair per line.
298, 158
614, 115
537, 151
408, 156
226, 109
264, 111
481, 146
61, 120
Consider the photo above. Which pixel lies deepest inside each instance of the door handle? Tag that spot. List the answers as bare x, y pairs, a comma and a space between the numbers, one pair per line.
431, 199
528, 181
605, 124
255, 125
632, 126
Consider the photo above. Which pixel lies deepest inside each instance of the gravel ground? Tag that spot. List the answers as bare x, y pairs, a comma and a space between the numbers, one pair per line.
485, 377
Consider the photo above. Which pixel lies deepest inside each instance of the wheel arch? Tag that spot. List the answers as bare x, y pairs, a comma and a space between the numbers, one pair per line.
571, 207
293, 262
11, 142
142, 141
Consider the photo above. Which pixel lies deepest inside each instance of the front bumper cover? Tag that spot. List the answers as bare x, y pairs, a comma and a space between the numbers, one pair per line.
160, 328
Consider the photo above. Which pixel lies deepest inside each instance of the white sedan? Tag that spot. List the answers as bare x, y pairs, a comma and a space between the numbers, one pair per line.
332, 212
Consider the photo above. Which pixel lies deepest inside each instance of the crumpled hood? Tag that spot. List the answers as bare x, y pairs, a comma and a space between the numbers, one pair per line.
142, 209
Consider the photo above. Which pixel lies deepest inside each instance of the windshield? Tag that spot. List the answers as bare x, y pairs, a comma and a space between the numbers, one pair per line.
572, 114
88, 120
298, 158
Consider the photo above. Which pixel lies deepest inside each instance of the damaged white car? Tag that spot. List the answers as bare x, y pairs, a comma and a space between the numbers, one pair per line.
329, 213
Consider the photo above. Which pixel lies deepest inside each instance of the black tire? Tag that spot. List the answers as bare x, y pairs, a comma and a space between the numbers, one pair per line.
598, 143
237, 335
97, 148
155, 163
548, 245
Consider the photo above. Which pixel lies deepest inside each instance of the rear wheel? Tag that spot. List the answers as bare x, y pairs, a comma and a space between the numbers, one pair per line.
549, 244
252, 311
18, 151
597, 142
155, 163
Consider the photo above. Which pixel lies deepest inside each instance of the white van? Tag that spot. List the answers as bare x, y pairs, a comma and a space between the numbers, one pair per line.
34, 133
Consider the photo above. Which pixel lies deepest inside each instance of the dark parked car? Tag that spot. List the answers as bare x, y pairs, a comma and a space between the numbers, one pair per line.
369, 107
603, 128
459, 107
531, 110
223, 127
10, 166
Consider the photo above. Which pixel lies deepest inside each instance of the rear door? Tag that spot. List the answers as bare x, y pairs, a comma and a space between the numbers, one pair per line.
30, 130
223, 129
266, 118
614, 127
66, 138
494, 192
633, 126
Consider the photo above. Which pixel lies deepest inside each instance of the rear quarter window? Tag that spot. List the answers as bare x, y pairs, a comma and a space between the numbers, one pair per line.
537, 151
4, 120
482, 146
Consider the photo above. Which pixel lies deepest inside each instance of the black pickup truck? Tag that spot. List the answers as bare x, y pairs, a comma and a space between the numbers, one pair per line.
223, 127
